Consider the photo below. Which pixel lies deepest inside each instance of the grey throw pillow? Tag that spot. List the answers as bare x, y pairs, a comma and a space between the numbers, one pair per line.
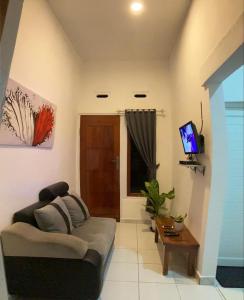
54, 217
77, 209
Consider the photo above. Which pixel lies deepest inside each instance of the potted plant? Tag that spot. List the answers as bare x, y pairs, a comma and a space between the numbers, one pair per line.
156, 201
179, 222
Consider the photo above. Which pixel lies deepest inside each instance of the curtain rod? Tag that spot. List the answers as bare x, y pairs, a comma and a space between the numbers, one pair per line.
122, 112
161, 111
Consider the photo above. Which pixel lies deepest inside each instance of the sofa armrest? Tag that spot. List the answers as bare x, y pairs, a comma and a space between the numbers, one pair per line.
22, 239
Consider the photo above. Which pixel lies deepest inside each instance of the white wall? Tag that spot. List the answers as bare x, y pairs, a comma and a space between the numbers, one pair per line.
45, 62
231, 250
121, 79
206, 25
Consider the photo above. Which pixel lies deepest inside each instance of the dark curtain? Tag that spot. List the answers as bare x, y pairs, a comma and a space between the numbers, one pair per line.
141, 125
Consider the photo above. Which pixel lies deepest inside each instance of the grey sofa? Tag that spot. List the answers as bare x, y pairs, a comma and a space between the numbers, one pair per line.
56, 265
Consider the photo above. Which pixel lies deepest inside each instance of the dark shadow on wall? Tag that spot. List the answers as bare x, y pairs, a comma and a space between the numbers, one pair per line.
201, 185
9, 24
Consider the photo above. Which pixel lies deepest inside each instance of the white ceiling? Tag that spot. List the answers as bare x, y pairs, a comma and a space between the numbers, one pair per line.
106, 30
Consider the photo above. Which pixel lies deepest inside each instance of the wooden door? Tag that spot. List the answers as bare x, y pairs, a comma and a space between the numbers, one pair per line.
99, 164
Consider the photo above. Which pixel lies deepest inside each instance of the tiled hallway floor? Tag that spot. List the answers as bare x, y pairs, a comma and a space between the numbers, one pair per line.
135, 272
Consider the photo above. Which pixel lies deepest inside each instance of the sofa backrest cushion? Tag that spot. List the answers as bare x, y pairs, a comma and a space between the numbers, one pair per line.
50, 192
46, 195
26, 214
54, 217
77, 209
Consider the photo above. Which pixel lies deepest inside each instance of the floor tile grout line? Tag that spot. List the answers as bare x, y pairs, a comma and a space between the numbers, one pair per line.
220, 293
222, 296
178, 291
124, 281
138, 275
138, 284
157, 264
150, 282
157, 282
124, 262
142, 263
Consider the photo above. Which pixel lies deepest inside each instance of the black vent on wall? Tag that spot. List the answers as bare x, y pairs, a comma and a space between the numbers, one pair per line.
102, 96
140, 95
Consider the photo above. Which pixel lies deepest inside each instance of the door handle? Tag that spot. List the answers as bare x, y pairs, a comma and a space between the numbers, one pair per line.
116, 161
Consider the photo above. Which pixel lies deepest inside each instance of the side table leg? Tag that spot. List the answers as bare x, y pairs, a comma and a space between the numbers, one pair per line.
192, 262
166, 261
156, 235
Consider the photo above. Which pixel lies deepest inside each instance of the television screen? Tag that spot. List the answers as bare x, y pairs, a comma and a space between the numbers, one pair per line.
189, 137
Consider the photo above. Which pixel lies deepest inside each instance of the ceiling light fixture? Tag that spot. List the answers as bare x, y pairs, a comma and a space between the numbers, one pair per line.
136, 7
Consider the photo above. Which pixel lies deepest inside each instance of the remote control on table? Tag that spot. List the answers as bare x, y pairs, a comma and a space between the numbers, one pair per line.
171, 234
169, 231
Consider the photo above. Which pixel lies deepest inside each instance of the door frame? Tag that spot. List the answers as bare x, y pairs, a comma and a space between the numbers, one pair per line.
214, 213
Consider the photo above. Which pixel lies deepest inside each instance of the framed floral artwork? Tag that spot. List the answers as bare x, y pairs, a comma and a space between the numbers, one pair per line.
27, 118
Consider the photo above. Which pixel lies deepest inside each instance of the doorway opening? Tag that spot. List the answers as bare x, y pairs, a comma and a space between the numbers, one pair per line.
230, 270
226, 213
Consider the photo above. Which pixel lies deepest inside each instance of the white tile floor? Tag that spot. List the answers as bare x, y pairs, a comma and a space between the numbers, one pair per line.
135, 272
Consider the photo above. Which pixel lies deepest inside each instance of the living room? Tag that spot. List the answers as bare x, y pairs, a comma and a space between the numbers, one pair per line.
47, 59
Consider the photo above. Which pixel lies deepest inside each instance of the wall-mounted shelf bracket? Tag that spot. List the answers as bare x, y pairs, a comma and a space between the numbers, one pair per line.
195, 168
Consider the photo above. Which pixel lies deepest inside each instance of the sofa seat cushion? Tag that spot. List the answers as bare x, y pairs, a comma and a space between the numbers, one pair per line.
99, 233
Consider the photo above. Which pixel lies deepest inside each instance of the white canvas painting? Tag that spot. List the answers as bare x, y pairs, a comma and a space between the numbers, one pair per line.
27, 119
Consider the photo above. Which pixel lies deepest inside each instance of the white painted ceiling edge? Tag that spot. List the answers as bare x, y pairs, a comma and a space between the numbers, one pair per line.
232, 41
107, 30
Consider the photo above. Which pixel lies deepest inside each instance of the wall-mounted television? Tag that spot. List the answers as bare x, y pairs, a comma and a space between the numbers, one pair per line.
192, 142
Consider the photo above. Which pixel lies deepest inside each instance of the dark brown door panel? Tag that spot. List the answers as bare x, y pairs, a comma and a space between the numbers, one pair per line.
99, 164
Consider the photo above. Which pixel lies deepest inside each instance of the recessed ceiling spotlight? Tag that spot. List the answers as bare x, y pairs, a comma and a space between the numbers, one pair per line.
136, 7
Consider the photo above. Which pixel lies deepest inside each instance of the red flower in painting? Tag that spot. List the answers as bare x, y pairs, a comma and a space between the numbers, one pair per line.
44, 123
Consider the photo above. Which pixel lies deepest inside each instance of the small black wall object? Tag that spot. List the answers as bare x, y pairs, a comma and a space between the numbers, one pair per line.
140, 95
102, 96
201, 143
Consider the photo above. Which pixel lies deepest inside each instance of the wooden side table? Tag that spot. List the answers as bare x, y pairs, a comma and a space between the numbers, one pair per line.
184, 242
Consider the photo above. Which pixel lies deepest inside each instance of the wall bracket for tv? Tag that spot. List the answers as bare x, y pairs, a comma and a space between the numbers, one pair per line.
194, 167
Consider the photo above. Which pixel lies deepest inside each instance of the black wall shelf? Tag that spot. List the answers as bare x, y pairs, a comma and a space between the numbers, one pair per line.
200, 168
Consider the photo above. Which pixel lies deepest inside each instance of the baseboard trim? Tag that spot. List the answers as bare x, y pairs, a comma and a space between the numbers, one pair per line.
205, 280
231, 261
134, 221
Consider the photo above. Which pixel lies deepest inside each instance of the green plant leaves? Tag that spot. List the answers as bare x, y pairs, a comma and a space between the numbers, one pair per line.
170, 194
156, 200
179, 218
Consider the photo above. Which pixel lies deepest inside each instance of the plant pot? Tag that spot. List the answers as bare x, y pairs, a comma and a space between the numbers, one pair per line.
153, 224
178, 226
163, 212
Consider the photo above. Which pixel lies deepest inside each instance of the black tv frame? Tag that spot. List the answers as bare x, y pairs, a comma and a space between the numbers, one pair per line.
199, 139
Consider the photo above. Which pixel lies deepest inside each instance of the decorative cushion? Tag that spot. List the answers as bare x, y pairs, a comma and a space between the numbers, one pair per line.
77, 209
54, 217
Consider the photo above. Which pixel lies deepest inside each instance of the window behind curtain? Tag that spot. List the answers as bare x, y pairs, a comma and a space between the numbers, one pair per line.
137, 171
